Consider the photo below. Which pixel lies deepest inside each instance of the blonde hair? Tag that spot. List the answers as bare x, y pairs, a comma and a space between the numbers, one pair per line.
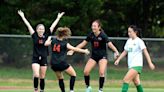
39, 26
63, 32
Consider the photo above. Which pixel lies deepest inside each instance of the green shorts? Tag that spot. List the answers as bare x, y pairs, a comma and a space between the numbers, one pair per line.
138, 69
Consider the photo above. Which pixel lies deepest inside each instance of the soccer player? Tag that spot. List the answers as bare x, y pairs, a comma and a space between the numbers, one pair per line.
58, 57
134, 47
99, 41
40, 52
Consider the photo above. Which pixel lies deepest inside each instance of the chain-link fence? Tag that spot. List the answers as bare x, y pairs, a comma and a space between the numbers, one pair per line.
16, 50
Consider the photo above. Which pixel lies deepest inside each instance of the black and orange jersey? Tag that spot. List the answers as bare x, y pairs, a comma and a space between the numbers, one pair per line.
59, 51
38, 45
98, 44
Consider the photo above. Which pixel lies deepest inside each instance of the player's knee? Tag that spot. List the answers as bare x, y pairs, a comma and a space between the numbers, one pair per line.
42, 76
59, 76
36, 75
102, 74
86, 73
73, 74
136, 82
125, 80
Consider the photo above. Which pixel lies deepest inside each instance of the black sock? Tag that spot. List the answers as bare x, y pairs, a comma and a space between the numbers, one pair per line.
42, 84
61, 84
101, 82
35, 82
87, 79
72, 82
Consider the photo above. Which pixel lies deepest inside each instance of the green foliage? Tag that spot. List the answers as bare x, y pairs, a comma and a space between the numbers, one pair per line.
115, 15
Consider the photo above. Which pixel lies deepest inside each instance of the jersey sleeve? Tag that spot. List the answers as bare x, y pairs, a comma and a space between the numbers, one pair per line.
88, 38
142, 44
106, 38
34, 35
126, 46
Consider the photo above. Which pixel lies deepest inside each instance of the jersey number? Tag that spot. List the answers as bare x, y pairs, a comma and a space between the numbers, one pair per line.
56, 48
96, 44
40, 41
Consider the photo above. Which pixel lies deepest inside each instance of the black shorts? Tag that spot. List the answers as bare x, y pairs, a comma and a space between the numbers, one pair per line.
60, 67
42, 61
97, 59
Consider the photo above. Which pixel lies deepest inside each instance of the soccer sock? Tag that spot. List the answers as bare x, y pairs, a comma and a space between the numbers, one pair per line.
61, 84
87, 78
101, 83
139, 88
35, 82
72, 82
125, 87
42, 84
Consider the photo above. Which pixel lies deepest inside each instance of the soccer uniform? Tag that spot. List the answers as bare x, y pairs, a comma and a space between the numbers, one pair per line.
59, 52
40, 52
135, 57
98, 44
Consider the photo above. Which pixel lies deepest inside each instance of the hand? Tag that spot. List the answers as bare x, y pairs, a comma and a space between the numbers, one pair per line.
116, 62
87, 51
152, 66
20, 13
60, 14
116, 55
70, 52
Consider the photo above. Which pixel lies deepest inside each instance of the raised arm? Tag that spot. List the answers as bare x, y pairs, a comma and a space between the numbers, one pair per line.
151, 65
56, 21
31, 30
48, 41
116, 53
86, 51
123, 54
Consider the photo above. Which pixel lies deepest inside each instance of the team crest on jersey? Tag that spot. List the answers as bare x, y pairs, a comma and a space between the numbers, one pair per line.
99, 38
43, 36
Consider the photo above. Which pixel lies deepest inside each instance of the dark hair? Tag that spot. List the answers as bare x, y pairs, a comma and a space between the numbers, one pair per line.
99, 24
63, 32
136, 29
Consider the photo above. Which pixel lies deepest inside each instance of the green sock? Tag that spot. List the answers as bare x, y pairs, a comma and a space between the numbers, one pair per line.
125, 87
139, 88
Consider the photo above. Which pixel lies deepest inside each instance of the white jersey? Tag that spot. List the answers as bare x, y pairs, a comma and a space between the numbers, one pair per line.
134, 48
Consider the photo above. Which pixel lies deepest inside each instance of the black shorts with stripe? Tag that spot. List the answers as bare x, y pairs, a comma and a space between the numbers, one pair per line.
60, 66
97, 59
42, 61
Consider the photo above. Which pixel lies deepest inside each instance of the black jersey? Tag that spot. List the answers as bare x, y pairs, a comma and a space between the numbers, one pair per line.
38, 45
98, 44
59, 51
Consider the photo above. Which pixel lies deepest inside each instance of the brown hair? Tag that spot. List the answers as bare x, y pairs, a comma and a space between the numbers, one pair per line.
99, 24
136, 29
63, 32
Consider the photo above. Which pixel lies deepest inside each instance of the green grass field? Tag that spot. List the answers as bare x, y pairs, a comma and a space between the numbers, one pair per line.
83, 90
20, 80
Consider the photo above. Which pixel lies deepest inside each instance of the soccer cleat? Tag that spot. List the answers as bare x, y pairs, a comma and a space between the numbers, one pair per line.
41, 90
100, 91
71, 91
36, 90
89, 89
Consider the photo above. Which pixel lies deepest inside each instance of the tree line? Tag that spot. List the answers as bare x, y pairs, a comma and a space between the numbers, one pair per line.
115, 15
